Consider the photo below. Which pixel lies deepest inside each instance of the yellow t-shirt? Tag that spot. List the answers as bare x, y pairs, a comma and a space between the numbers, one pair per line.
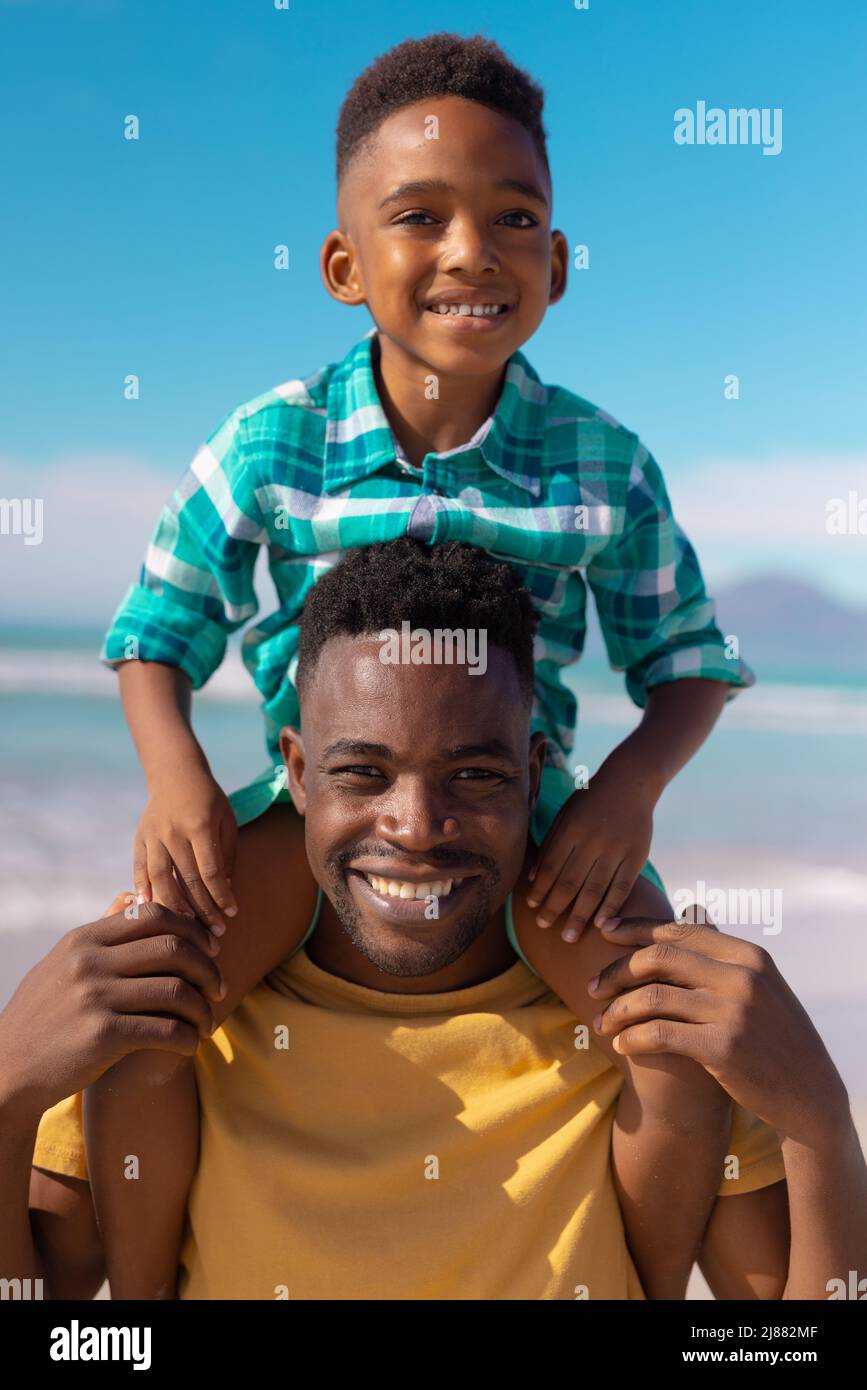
358, 1144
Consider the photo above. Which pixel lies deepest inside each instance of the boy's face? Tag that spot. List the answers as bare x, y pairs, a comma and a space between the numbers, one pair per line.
473, 234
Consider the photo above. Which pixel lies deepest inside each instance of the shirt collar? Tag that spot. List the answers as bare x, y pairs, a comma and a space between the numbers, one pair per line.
359, 440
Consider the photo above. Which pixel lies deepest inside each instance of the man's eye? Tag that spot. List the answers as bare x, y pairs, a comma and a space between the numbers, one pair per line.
358, 770
531, 221
472, 773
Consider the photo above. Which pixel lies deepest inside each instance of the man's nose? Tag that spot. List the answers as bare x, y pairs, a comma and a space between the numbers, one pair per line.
418, 817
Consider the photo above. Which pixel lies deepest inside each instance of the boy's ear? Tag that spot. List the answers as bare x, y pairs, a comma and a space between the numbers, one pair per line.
292, 749
339, 271
559, 266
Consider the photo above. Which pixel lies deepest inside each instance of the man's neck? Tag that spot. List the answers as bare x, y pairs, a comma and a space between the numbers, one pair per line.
331, 949
426, 426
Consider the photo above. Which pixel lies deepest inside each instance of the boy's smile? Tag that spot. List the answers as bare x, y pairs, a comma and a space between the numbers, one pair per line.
447, 240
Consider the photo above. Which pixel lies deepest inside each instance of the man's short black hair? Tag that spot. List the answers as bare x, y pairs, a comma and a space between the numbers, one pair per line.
449, 586
439, 65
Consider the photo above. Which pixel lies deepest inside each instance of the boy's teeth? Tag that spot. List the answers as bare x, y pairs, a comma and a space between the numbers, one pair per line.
477, 310
398, 888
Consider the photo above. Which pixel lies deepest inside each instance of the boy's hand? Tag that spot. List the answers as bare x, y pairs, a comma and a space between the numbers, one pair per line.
185, 847
593, 853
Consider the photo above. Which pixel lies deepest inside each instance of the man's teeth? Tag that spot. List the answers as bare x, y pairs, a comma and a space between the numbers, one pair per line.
398, 888
477, 310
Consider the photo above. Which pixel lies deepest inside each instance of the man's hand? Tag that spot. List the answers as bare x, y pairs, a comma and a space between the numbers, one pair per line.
694, 991
594, 852
185, 846
135, 980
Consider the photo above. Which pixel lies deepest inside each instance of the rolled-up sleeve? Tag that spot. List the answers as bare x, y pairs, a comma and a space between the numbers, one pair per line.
657, 620
196, 583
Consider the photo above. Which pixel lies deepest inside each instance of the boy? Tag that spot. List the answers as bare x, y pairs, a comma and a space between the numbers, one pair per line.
436, 427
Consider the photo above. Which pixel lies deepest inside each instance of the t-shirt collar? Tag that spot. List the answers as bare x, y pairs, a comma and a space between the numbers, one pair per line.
359, 439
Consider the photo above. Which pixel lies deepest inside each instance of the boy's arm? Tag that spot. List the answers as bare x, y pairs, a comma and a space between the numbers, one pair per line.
655, 614
141, 1118
672, 1122
168, 637
600, 839
141, 1129
659, 628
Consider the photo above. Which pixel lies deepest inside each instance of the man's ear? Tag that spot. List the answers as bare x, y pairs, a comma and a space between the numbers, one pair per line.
538, 749
292, 749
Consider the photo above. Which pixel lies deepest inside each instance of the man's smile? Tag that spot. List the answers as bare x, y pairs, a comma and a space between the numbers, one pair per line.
400, 899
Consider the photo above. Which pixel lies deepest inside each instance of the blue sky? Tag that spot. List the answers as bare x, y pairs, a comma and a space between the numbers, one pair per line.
155, 257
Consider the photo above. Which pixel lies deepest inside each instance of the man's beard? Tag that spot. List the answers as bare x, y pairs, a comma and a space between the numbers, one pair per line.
413, 958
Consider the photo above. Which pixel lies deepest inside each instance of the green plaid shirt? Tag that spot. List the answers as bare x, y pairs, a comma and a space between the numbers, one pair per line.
549, 483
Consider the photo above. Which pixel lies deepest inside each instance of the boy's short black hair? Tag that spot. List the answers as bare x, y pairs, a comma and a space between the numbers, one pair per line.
448, 586
439, 65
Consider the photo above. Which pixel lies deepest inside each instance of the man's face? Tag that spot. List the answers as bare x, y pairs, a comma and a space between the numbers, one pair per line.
416, 783
467, 212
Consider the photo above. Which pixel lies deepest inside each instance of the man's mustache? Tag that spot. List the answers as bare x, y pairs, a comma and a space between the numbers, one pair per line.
442, 857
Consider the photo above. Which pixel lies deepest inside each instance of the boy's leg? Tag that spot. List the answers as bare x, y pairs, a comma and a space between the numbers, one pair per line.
146, 1106
267, 790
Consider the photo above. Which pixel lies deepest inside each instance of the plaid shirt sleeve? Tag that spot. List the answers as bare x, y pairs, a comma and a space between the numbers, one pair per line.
196, 582
657, 620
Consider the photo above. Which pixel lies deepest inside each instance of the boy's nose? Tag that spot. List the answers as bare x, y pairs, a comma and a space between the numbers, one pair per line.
470, 248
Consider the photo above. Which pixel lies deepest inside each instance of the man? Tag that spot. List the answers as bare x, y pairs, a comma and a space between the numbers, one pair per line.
401, 1110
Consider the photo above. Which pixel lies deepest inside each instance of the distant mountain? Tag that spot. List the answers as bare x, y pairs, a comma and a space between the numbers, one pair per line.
786, 627
788, 624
